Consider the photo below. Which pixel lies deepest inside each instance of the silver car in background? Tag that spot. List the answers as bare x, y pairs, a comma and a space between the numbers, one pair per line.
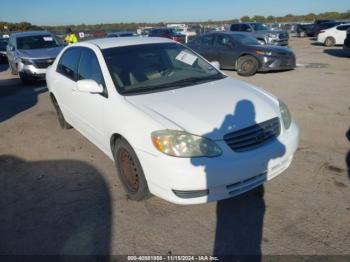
30, 53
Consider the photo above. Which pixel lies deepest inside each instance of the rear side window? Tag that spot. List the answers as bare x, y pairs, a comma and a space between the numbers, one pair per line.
234, 27
207, 40
89, 67
343, 27
68, 63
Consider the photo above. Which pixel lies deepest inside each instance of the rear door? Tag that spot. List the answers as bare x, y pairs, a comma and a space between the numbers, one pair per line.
206, 46
225, 51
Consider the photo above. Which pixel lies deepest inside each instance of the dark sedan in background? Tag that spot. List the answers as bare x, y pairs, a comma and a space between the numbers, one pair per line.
243, 53
3, 44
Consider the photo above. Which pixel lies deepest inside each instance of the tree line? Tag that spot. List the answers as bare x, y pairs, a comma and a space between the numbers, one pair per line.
25, 26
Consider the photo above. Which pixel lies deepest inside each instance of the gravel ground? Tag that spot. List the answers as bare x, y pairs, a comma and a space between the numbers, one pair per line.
60, 195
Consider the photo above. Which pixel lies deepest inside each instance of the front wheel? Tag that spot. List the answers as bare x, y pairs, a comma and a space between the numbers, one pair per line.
247, 65
130, 171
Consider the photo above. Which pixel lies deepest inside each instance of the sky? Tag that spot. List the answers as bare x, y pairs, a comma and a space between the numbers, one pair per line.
62, 12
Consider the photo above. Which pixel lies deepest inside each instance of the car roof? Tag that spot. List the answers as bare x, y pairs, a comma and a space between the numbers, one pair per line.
105, 43
30, 33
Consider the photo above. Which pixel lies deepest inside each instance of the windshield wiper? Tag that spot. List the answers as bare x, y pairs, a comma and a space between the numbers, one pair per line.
179, 83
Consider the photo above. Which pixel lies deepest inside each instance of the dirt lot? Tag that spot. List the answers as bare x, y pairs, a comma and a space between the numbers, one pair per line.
60, 195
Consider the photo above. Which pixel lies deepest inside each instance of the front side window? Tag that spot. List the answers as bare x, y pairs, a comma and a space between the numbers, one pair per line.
68, 63
156, 67
36, 42
245, 28
224, 41
89, 67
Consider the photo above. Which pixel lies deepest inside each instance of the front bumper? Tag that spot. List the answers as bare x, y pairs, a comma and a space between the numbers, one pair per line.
222, 177
31, 71
273, 63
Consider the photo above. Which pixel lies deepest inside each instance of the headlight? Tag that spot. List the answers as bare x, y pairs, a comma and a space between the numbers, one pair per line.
258, 52
272, 35
26, 61
286, 116
182, 144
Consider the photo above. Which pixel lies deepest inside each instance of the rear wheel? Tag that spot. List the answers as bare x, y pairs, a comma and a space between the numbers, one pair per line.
247, 65
61, 120
330, 41
130, 171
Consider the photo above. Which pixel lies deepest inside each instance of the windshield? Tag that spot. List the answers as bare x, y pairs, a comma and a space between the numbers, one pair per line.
156, 67
36, 42
260, 27
245, 39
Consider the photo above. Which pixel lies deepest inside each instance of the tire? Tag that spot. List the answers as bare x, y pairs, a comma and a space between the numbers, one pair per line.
27, 80
329, 42
60, 117
247, 65
130, 171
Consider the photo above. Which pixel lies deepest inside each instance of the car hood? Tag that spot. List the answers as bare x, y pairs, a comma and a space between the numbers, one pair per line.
212, 109
40, 53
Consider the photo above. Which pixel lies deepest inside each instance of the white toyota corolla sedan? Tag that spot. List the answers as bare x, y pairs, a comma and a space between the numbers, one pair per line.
175, 126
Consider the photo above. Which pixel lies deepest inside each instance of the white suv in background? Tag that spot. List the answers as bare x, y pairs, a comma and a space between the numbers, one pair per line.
333, 36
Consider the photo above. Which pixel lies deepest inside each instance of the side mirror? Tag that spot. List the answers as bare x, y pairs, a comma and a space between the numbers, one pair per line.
89, 86
215, 64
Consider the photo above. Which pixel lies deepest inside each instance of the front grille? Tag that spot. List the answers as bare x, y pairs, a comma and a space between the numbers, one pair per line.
253, 136
43, 63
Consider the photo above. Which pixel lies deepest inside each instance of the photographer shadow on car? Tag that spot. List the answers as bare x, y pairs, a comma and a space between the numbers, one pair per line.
239, 221
56, 207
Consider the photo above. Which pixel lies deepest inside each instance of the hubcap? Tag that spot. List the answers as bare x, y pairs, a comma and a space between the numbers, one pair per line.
247, 66
128, 170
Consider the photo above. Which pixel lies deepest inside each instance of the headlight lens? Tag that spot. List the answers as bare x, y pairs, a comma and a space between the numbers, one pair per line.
26, 61
286, 116
182, 144
271, 35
